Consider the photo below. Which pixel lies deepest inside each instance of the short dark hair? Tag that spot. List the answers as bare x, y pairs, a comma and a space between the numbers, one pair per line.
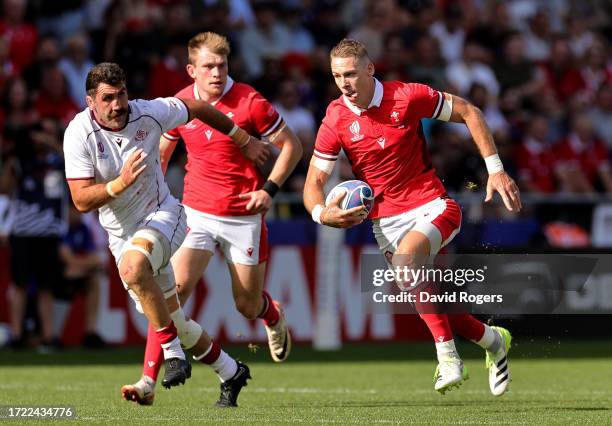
105, 72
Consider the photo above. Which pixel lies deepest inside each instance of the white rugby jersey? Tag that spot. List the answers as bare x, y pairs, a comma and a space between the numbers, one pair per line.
92, 151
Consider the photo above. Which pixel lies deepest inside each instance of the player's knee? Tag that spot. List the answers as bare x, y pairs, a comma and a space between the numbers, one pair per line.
248, 306
406, 269
134, 271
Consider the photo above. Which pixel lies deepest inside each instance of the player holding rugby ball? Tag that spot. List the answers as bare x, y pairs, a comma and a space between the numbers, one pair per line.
378, 125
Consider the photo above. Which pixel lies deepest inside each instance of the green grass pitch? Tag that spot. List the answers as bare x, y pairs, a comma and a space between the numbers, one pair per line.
553, 383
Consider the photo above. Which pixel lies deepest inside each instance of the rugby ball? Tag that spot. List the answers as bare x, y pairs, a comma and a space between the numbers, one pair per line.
358, 193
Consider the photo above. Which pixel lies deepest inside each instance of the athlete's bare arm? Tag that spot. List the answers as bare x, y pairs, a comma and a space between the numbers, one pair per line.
166, 148
88, 195
464, 112
290, 154
332, 215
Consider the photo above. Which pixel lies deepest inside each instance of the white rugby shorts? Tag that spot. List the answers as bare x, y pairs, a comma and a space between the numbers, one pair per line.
170, 220
242, 239
439, 220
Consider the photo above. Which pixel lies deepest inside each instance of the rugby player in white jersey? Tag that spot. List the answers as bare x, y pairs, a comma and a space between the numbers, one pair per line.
113, 164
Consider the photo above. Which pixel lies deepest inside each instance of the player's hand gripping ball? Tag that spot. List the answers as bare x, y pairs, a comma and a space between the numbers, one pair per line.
358, 193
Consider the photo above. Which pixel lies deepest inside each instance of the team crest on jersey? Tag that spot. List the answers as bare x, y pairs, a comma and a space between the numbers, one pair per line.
191, 125
230, 114
395, 116
208, 134
141, 134
355, 129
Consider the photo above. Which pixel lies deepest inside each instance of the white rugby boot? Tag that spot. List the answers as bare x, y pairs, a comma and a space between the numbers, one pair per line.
449, 374
497, 363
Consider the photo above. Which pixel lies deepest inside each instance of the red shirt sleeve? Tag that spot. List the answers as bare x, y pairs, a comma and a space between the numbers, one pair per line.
327, 145
173, 134
264, 117
424, 101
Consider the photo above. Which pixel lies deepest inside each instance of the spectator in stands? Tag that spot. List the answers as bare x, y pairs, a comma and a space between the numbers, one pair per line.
7, 68
395, 60
301, 121
21, 35
582, 162
450, 33
535, 159
518, 77
581, 39
168, 75
53, 100
596, 70
492, 31
301, 40
34, 177
268, 38
16, 108
47, 55
326, 26
372, 32
601, 115
537, 37
75, 65
428, 65
238, 14
81, 267
472, 68
561, 75
62, 18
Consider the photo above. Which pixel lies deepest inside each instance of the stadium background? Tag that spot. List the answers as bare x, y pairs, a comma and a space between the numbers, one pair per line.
520, 61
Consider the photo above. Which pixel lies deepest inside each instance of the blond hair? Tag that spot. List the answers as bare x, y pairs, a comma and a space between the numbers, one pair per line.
214, 42
348, 48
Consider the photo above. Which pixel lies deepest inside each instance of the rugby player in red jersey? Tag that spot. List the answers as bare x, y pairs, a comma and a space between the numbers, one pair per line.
225, 199
378, 126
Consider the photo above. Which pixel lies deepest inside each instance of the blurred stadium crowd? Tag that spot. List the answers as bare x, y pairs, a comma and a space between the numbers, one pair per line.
540, 70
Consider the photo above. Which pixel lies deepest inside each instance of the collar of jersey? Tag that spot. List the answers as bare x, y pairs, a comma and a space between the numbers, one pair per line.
375, 102
127, 120
228, 85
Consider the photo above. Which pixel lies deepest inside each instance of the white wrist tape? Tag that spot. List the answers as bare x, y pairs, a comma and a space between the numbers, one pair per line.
316, 213
494, 164
109, 190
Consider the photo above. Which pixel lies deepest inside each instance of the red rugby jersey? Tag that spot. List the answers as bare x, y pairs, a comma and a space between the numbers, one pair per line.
217, 172
385, 144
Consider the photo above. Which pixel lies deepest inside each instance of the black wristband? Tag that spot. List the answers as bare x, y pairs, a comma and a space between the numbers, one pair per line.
270, 187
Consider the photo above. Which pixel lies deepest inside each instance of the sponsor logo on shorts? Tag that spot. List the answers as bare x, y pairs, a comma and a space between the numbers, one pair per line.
250, 251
